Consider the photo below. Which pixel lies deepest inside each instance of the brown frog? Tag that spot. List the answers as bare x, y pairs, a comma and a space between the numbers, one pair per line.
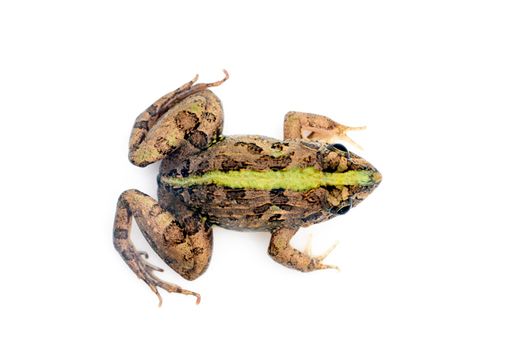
237, 182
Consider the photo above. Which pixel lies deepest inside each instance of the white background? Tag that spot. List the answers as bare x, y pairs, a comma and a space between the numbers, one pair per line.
434, 259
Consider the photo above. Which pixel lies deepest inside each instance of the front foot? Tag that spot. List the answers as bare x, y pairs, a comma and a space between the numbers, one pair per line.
317, 260
281, 251
145, 271
309, 126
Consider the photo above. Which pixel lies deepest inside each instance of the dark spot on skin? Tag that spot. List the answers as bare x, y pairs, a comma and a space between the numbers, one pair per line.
197, 138
250, 147
274, 163
152, 110
235, 194
278, 197
230, 164
186, 121
169, 234
262, 208
184, 171
275, 218
308, 161
312, 217
120, 234
127, 255
202, 167
210, 191
142, 124
210, 117
277, 146
329, 162
172, 172
286, 207
191, 224
197, 250
172, 226
193, 197
282, 163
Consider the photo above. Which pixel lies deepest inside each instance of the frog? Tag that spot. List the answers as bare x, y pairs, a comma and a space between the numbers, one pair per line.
239, 182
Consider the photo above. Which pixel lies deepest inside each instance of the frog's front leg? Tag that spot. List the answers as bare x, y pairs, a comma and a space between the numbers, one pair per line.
299, 125
189, 116
282, 252
186, 247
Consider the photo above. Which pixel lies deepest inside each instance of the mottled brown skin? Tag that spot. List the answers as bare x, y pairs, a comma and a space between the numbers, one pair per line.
183, 129
248, 209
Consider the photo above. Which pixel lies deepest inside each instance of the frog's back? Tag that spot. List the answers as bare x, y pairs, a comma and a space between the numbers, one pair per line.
256, 153
241, 206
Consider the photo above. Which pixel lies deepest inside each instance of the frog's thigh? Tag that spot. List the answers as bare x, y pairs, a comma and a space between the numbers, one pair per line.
185, 249
282, 252
195, 121
299, 125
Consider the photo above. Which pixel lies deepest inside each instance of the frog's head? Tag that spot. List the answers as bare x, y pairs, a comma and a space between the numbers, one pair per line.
349, 178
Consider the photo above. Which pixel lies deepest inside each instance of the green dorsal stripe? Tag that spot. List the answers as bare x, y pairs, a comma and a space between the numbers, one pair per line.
296, 179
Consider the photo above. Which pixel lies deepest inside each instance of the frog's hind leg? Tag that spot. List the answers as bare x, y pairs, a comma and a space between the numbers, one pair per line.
299, 125
191, 114
185, 249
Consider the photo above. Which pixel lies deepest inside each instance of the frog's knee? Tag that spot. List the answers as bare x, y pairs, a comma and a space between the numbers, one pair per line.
191, 258
193, 273
200, 119
144, 155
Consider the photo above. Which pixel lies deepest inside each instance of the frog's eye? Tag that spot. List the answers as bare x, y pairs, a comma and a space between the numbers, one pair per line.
342, 210
339, 147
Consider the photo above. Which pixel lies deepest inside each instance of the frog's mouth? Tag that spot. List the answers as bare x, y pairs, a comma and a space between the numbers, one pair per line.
295, 179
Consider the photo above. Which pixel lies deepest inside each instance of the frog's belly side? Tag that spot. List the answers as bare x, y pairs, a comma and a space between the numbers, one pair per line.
251, 209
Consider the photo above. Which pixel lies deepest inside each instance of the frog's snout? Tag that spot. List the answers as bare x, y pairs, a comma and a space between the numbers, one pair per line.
376, 177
